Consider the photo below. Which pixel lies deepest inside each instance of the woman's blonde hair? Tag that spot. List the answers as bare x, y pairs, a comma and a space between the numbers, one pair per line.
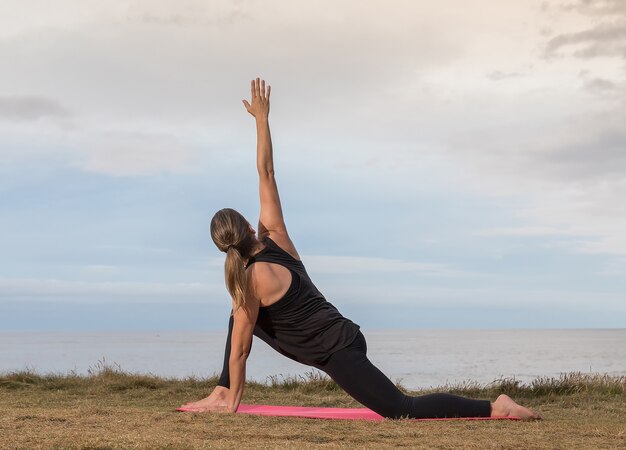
231, 234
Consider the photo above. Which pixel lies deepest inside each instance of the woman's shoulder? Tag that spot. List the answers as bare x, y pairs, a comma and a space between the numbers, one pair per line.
283, 242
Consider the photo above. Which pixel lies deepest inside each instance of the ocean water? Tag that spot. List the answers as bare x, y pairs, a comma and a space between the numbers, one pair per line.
417, 358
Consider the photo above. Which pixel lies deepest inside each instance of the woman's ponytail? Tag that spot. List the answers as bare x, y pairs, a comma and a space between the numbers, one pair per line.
236, 279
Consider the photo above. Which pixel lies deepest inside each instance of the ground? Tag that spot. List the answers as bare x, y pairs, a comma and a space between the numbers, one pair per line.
112, 409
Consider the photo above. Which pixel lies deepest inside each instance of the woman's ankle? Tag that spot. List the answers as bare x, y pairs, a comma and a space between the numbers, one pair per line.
220, 391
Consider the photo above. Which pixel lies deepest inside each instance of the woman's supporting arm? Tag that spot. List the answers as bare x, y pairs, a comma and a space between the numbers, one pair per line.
244, 321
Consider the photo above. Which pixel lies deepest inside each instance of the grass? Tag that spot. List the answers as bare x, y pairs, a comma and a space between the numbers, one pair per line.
109, 408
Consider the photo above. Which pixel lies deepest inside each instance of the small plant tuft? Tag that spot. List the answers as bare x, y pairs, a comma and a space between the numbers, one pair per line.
311, 381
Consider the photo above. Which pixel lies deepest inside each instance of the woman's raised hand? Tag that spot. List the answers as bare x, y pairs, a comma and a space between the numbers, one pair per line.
260, 107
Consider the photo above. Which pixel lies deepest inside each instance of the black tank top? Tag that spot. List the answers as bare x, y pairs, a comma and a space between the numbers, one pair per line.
302, 324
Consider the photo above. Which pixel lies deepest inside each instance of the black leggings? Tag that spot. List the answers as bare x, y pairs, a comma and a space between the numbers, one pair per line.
353, 372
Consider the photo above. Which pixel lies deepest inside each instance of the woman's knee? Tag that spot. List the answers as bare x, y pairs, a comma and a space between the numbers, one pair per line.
396, 409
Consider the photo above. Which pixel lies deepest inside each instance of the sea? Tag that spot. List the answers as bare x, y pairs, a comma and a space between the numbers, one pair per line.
416, 358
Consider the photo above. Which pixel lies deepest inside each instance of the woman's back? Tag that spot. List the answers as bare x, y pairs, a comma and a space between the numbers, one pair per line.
302, 322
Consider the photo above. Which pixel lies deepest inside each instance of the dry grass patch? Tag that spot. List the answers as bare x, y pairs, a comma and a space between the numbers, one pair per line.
109, 408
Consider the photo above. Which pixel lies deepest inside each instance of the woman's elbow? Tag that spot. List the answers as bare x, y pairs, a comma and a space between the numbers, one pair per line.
266, 171
239, 356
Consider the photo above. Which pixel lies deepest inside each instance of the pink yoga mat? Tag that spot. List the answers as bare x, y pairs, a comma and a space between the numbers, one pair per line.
330, 413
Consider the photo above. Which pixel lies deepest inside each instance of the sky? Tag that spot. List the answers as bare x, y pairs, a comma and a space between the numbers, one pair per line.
441, 164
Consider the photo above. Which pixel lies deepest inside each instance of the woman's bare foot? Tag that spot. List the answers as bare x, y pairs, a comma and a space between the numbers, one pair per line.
504, 406
217, 398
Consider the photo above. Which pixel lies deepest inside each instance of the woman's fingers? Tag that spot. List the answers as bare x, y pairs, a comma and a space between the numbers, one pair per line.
258, 89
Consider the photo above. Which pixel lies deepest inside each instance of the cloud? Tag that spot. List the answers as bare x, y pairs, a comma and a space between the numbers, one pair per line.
604, 39
598, 7
135, 153
14, 288
597, 157
325, 264
495, 296
600, 86
567, 175
132, 62
132, 248
109, 152
498, 75
523, 231
101, 269
31, 108
616, 268
559, 155
401, 86
188, 13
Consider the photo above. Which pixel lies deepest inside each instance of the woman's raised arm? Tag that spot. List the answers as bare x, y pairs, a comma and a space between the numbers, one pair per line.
271, 220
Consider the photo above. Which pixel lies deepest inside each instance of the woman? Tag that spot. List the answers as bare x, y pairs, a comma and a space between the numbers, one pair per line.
274, 299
